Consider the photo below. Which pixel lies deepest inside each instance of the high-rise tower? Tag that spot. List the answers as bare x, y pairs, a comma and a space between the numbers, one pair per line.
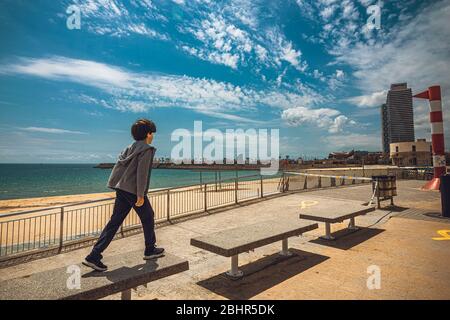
397, 116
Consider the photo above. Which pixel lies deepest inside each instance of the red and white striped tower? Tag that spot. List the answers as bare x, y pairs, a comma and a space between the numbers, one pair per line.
433, 94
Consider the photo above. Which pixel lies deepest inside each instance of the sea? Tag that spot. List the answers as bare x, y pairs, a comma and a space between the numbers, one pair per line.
18, 181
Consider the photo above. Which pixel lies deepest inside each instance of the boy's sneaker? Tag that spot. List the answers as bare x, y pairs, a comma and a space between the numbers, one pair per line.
152, 253
96, 265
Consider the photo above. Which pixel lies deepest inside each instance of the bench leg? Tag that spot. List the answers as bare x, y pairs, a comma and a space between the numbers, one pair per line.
126, 294
284, 248
235, 272
327, 235
352, 225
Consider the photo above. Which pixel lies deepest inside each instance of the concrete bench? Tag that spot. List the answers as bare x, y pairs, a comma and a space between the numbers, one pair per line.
125, 272
232, 242
337, 214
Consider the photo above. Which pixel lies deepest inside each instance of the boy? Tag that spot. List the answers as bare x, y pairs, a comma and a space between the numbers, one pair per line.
130, 178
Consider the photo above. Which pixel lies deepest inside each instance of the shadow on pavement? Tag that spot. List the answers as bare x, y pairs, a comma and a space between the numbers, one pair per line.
347, 239
262, 274
124, 272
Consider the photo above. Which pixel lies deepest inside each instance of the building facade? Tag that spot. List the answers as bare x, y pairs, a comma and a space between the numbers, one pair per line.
397, 117
404, 154
384, 129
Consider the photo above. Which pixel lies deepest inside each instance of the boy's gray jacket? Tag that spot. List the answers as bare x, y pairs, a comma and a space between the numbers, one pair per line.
132, 171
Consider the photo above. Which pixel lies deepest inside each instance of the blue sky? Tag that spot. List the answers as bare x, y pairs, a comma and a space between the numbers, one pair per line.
312, 69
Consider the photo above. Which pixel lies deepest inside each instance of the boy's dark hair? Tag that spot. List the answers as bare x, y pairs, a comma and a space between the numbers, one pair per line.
141, 128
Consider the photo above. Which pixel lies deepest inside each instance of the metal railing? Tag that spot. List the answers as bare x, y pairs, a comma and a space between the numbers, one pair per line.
57, 227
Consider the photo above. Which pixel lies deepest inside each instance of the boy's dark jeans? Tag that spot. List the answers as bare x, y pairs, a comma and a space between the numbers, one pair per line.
124, 202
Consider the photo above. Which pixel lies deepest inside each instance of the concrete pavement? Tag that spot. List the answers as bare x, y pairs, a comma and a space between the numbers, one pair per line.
395, 241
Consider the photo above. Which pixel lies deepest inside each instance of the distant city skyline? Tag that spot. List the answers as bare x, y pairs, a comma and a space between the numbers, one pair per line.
315, 70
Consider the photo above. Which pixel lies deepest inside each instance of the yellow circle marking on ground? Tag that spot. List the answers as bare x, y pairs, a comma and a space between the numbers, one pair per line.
308, 203
445, 235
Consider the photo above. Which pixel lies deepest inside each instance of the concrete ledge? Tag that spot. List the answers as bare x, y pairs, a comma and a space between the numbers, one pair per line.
125, 271
338, 214
231, 242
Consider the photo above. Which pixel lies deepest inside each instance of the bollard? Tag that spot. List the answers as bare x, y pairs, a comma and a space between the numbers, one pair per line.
445, 195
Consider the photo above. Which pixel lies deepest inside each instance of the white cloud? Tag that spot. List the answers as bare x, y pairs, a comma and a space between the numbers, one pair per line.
416, 51
111, 17
280, 77
375, 99
293, 56
51, 130
261, 52
142, 29
138, 92
81, 71
230, 34
327, 12
340, 74
223, 42
336, 80
327, 118
318, 75
340, 123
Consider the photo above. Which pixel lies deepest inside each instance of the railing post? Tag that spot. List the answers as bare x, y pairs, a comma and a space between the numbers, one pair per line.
215, 181
61, 230
236, 184
262, 189
168, 205
205, 198
333, 182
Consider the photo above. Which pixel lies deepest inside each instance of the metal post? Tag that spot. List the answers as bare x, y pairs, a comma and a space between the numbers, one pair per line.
236, 183
61, 230
319, 184
352, 225
205, 198
364, 174
126, 294
284, 248
235, 272
328, 235
168, 205
215, 180
262, 190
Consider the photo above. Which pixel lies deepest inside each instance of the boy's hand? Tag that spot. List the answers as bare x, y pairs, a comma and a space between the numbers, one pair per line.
140, 201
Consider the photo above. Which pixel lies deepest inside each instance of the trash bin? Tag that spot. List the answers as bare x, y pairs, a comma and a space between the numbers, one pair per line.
384, 188
445, 195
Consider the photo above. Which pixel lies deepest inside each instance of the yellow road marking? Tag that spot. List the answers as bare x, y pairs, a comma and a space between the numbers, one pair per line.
445, 235
308, 203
